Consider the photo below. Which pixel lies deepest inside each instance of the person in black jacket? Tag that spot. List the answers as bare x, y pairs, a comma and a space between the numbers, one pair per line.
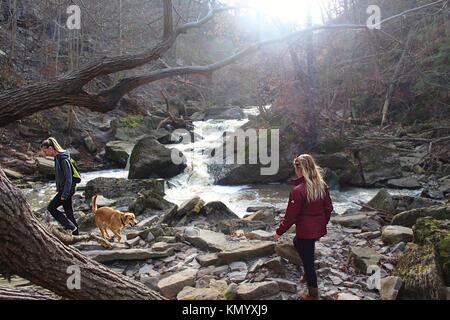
65, 185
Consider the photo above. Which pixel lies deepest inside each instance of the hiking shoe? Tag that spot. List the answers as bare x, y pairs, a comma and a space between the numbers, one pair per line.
75, 232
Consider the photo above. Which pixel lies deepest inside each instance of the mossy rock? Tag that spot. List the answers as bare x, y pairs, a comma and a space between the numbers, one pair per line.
436, 232
409, 218
420, 272
132, 121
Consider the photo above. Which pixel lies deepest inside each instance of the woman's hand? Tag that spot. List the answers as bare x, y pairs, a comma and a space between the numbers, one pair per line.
276, 237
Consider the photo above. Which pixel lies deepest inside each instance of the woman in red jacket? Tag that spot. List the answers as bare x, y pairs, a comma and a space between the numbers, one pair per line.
310, 210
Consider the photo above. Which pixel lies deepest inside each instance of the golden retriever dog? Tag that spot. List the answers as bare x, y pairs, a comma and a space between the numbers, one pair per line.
109, 218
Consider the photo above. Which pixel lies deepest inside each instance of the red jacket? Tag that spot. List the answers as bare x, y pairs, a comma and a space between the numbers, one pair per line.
310, 218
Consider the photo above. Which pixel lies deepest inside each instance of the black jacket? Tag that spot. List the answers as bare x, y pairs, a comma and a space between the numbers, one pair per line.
64, 182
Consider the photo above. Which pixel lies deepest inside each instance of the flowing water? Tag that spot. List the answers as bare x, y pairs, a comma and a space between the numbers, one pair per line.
196, 181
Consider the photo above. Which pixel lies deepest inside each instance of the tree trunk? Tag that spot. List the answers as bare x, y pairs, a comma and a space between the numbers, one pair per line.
30, 251
25, 293
393, 83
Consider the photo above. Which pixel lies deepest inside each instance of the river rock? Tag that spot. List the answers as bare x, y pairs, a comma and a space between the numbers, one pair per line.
237, 276
409, 218
364, 257
395, 234
390, 287
275, 265
383, 201
238, 266
253, 291
207, 259
89, 143
128, 254
216, 211
205, 239
260, 235
46, 166
119, 152
287, 251
285, 285
267, 216
151, 159
347, 296
228, 226
113, 188
150, 199
353, 221
245, 251
188, 211
172, 285
405, 183
190, 293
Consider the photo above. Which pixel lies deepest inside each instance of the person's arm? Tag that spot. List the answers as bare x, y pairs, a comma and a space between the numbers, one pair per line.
65, 166
292, 212
328, 204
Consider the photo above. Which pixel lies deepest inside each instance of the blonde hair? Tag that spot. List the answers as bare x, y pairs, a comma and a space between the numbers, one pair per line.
51, 142
312, 173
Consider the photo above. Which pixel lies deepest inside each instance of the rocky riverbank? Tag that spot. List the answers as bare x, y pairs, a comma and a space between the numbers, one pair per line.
204, 251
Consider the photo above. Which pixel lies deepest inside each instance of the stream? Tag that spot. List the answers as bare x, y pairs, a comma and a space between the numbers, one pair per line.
196, 181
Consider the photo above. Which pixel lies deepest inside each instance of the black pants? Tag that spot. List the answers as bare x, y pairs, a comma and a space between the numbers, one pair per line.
66, 219
306, 248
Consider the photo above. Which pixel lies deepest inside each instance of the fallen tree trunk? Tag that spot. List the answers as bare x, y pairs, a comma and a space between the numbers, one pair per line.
26, 293
30, 251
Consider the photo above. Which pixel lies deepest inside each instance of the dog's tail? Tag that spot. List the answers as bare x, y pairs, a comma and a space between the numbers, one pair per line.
94, 204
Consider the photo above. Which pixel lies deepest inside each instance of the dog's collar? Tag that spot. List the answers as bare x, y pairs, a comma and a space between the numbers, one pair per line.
123, 223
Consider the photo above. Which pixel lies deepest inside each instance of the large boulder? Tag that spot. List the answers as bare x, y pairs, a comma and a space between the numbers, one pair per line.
342, 164
119, 152
195, 209
378, 165
152, 200
383, 201
395, 234
286, 250
409, 218
151, 159
436, 232
188, 211
216, 211
172, 285
421, 275
116, 187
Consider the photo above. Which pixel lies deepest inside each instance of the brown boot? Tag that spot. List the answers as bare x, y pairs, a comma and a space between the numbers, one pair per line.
313, 294
303, 279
